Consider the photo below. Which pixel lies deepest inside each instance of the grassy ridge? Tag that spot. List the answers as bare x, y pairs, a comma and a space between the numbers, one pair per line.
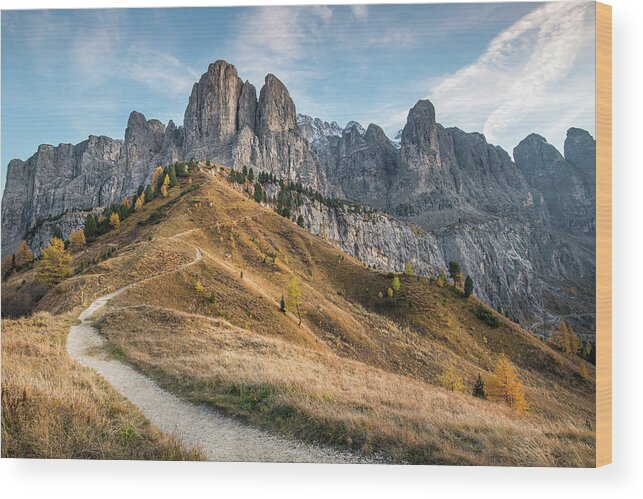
362, 370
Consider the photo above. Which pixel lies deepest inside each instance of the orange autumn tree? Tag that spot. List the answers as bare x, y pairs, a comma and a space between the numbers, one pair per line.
503, 386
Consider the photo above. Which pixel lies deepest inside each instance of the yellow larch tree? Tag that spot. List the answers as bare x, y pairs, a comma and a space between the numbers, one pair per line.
165, 186
77, 240
114, 220
294, 298
140, 201
24, 256
55, 263
503, 386
156, 178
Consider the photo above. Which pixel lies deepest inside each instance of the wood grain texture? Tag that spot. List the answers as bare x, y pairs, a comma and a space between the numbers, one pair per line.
603, 234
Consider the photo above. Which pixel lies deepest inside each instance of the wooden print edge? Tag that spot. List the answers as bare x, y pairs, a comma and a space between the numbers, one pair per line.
603, 234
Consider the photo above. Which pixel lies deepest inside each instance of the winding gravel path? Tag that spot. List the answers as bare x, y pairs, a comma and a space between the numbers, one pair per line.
220, 437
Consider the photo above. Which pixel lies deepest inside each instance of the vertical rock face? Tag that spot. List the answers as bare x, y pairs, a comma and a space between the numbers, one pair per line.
563, 184
247, 107
210, 119
363, 165
59, 179
276, 110
142, 144
580, 149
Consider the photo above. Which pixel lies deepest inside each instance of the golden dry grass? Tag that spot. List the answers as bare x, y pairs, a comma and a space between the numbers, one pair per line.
321, 396
360, 371
54, 408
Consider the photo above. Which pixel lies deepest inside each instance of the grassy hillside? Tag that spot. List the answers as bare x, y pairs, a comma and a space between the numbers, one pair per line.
362, 370
54, 408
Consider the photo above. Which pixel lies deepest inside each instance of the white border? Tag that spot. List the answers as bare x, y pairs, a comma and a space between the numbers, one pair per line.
96, 480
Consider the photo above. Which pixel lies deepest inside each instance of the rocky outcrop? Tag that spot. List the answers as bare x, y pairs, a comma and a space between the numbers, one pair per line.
314, 129
247, 107
94, 173
59, 179
564, 186
580, 149
210, 119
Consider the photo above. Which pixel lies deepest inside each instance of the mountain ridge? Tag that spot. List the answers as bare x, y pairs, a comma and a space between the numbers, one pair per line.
464, 193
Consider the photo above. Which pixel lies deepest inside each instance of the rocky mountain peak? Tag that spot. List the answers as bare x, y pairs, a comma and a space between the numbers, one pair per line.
276, 109
210, 119
375, 134
353, 125
580, 149
534, 155
420, 129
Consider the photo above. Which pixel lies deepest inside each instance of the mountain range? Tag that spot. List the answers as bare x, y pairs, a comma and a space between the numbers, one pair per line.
522, 228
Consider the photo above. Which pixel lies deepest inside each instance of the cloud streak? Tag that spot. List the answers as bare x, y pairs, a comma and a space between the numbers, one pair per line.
524, 77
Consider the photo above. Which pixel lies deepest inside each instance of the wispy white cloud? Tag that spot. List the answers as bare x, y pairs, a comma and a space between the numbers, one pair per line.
524, 77
159, 70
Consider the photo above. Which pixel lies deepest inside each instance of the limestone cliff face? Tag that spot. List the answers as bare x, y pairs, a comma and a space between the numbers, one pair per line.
210, 119
519, 229
71, 178
564, 186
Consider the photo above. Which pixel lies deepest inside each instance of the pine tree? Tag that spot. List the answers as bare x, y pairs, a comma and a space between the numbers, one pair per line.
468, 287
396, 284
58, 234
479, 390
244, 170
300, 220
149, 193
24, 256
55, 263
171, 171
114, 220
258, 193
251, 175
503, 386
140, 190
282, 304
181, 170
294, 298
90, 227
77, 240
455, 272
165, 185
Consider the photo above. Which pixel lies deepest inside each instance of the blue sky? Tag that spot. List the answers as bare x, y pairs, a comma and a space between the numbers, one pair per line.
503, 69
